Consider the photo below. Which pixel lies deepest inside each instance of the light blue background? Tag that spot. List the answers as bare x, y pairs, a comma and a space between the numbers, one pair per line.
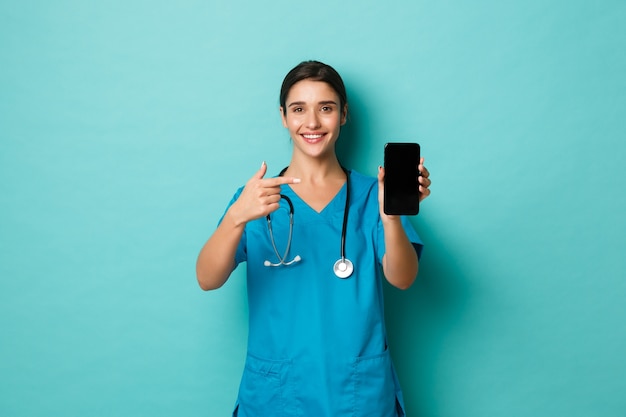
125, 127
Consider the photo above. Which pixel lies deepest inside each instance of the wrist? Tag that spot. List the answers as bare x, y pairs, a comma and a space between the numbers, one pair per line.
391, 220
233, 218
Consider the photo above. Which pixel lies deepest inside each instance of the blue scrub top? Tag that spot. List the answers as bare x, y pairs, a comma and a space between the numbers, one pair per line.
317, 344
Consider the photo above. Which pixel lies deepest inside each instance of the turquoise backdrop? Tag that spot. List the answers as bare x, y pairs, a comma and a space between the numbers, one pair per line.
126, 126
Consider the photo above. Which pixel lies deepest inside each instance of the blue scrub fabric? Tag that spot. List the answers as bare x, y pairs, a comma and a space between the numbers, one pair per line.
317, 344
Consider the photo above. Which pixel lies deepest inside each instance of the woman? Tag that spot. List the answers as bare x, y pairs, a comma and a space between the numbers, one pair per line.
317, 344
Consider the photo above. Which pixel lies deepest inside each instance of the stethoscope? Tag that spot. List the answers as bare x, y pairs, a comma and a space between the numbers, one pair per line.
343, 268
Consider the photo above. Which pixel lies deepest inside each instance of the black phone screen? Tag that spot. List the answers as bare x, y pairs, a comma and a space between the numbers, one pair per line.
401, 178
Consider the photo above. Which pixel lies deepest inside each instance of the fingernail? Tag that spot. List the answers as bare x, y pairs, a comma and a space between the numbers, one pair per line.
297, 180
262, 164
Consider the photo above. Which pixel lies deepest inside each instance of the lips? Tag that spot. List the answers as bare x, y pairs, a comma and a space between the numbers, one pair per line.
312, 137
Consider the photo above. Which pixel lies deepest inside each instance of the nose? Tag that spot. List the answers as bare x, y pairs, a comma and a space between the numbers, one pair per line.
312, 120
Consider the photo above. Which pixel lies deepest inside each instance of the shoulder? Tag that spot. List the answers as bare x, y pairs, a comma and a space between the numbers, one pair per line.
360, 180
363, 186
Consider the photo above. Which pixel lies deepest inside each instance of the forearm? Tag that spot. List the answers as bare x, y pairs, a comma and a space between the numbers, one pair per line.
217, 258
400, 262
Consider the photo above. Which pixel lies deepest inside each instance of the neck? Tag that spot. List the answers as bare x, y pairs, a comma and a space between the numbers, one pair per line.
315, 170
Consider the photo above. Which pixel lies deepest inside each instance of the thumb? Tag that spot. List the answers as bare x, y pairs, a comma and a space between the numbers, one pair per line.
261, 172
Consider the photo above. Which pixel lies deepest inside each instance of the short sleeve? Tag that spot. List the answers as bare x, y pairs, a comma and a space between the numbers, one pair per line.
242, 254
413, 236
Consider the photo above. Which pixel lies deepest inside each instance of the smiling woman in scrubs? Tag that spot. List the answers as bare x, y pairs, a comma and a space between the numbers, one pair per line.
317, 344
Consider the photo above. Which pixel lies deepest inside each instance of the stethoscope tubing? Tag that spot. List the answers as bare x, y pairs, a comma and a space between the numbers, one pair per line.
281, 259
343, 268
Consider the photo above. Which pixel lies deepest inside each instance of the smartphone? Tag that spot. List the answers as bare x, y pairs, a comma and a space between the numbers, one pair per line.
401, 178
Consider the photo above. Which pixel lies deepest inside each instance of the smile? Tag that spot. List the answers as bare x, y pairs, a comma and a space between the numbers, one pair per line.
312, 136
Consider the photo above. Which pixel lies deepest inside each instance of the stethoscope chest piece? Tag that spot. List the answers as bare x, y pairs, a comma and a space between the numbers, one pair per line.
343, 268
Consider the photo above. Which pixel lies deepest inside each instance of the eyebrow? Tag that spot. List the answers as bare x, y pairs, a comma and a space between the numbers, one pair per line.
301, 103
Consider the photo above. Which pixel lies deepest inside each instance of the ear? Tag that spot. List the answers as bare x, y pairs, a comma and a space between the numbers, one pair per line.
282, 116
344, 114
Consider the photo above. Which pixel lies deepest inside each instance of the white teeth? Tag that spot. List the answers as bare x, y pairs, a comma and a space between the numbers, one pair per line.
312, 136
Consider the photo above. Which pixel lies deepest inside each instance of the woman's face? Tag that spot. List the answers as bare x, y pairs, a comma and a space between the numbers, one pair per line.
313, 117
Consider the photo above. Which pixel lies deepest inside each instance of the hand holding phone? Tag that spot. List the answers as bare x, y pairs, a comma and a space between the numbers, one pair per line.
401, 178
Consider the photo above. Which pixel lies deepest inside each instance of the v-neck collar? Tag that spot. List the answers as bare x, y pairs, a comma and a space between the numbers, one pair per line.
335, 205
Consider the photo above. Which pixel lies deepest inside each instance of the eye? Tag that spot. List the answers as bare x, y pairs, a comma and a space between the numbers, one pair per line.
327, 109
297, 109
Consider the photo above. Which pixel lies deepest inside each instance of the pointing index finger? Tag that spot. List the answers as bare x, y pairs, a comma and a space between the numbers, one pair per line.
272, 182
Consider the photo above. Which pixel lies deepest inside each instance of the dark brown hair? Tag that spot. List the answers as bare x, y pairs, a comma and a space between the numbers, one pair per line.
314, 71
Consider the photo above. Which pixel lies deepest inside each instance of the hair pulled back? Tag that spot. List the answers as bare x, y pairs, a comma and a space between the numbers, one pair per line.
314, 71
